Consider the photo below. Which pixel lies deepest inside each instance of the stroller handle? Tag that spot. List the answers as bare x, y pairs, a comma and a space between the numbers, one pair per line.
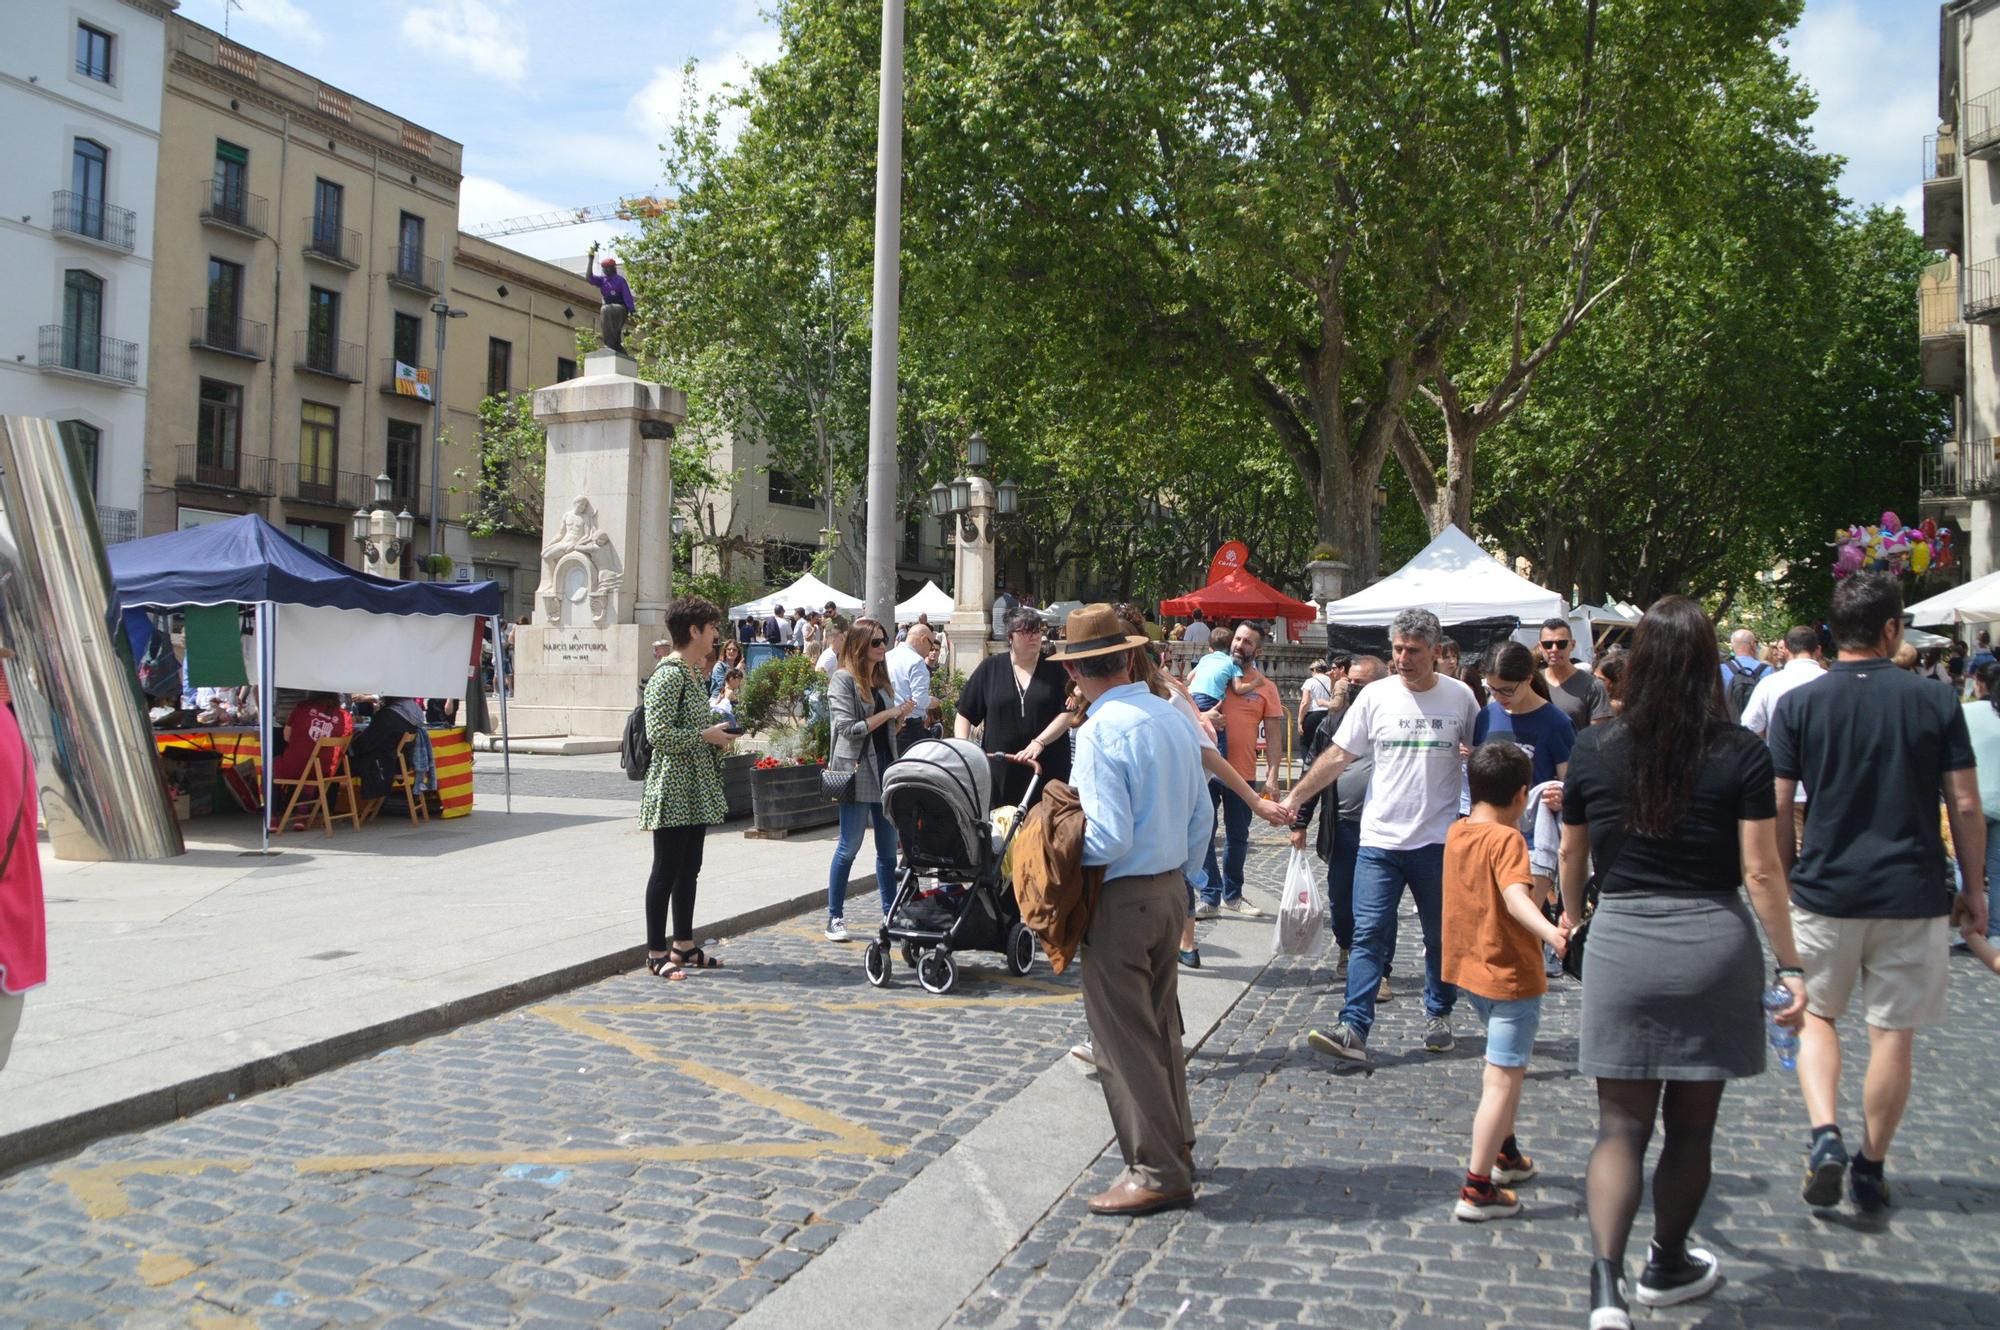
1027, 796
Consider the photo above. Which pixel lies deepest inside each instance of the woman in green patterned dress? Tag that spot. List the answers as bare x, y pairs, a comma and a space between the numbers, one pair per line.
683, 797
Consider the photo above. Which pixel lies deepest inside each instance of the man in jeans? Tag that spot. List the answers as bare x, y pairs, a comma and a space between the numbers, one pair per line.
1246, 703
1874, 744
1416, 724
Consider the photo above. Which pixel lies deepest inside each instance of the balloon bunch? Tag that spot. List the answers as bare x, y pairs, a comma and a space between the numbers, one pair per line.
1892, 547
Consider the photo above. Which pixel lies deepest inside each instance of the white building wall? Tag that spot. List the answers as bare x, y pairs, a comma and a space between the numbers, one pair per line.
45, 105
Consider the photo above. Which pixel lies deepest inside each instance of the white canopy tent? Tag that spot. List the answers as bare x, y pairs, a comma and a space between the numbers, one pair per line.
807, 593
1977, 601
932, 600
1458, 581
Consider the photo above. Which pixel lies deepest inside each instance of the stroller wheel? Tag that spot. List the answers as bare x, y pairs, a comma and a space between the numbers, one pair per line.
937, 971
876, 962
1020, 949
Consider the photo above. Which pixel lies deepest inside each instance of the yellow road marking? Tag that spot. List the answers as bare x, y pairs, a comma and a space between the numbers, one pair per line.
100, 1188
158, 1268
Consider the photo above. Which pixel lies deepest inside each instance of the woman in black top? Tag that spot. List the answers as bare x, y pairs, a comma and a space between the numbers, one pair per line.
1016, 695
1674, 804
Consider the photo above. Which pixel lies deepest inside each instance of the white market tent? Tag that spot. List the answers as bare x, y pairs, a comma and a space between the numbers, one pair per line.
1978, 601
1457, 581
807, 593
932, 600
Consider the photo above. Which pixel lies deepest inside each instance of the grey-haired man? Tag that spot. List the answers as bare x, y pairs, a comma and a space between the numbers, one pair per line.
1416, 725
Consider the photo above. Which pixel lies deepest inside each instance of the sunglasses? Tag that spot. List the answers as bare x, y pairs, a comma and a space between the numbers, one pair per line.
1552, 645
879, 642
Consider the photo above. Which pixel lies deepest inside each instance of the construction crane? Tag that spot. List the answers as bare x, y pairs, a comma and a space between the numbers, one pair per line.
634, 209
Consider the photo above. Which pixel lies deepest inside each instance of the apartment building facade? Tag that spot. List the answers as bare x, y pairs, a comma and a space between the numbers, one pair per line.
80, 99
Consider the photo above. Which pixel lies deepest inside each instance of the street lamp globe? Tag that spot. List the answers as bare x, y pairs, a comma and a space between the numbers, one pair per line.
961, 494
1008, 497
406, 526
975, 451
382, 487
358, 524
940, 500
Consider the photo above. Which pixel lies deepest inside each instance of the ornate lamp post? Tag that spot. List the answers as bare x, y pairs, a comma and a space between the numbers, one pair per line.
381, 534
970, 504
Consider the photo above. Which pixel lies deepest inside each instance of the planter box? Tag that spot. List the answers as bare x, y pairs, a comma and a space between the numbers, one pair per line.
736, 769
789, 799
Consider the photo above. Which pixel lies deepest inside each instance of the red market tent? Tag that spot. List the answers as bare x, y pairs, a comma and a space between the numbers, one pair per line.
1238, 595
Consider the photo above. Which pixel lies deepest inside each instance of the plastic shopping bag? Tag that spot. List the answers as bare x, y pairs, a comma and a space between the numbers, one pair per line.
1302, 912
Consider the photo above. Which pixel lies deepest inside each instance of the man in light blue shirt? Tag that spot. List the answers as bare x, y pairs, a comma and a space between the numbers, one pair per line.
910, 679
1146, 823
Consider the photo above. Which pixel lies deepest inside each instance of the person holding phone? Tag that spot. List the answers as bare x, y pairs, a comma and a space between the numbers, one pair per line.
865, 730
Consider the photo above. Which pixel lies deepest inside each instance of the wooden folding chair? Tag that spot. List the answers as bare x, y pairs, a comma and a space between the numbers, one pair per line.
405, 782
323, 777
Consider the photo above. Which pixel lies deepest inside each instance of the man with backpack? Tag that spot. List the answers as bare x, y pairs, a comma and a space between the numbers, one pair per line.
1741, 672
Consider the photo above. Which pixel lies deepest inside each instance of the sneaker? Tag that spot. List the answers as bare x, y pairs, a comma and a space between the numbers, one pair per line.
1340, 1041
1695, 1275
1869, 1190
1243, 907
1476, 1206
1382, 993
1512, 1169
836, 930
1607, 1298
1191, 958
1084, 1056
1207, 910
1340, 966
1825, 1167
1437, 1035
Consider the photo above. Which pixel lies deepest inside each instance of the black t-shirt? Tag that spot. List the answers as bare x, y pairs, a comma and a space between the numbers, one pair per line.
1872, 744
1705, 854
1012, 716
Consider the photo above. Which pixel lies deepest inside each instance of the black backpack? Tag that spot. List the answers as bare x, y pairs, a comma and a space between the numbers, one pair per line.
1742, 683
635, 751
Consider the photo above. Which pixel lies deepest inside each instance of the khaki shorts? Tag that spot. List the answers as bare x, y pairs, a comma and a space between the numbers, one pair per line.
1901, 963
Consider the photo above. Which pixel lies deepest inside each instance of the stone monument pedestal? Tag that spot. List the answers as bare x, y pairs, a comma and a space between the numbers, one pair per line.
607, 551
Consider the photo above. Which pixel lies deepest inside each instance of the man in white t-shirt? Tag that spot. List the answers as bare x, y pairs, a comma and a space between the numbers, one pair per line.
1417, 725
1802, 666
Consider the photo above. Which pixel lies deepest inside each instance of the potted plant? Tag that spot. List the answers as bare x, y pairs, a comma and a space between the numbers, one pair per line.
786, 698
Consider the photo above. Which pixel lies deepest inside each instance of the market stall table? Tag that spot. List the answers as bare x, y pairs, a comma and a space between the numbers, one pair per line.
451, 750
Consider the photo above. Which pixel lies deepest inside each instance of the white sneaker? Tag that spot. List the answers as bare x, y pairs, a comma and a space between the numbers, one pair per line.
1243, 907
836, 930
1203, 910
1084, 1056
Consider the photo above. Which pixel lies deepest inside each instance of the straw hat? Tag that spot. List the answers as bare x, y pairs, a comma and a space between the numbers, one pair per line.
1094, 630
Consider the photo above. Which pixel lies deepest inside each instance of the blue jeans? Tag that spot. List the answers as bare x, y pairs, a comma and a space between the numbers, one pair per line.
1992, 879
1379, 879
1234, 819
854, 818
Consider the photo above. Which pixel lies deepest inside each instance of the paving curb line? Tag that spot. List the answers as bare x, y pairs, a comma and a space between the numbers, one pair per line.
151, 1108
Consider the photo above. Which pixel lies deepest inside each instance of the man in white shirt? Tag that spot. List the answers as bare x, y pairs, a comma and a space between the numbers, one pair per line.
1417, 725
1196, 634
910, 677
1802, 667
834, 634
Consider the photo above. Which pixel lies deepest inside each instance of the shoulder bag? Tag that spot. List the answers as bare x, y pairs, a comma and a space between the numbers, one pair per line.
1573, 955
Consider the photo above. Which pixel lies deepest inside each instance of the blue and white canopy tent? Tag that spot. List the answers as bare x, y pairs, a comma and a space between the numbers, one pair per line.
319, 624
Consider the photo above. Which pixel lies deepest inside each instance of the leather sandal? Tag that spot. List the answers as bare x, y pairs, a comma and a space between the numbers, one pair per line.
694, 958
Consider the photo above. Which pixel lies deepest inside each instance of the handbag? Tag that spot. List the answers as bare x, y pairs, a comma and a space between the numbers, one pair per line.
838, 786
1573, 954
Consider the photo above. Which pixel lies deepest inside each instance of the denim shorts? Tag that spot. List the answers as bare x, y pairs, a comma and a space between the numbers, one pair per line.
1204, 702
1510, 1027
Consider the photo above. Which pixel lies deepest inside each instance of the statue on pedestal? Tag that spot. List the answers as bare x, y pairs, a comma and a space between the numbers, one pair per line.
618, 302
579, 563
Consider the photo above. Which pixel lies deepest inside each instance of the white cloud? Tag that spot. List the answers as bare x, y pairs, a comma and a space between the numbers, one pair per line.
487, 36
485, 200
1877, 85
734, 48
283, 17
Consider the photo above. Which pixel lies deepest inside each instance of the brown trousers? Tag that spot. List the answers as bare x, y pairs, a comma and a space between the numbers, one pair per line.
1131, 986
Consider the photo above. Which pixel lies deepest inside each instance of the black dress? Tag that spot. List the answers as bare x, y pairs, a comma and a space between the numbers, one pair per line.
1013, 716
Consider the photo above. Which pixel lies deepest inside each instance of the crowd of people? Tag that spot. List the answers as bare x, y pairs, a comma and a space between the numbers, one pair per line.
1656, 823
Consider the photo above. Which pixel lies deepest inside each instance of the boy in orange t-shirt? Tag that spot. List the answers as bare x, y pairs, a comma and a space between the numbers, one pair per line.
1492, 949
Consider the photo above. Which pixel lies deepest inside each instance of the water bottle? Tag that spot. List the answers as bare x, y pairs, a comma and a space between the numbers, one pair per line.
1784, 1040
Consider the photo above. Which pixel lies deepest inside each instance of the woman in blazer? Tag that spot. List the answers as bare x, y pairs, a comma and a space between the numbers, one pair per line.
864, 721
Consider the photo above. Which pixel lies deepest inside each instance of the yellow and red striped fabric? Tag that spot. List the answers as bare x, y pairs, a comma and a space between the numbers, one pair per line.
452, 750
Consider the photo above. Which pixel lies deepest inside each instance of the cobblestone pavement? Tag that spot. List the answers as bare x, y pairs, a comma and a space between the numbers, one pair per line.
639, 1153
1325, 1194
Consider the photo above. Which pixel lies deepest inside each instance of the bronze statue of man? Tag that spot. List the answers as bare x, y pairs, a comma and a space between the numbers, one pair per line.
617, 301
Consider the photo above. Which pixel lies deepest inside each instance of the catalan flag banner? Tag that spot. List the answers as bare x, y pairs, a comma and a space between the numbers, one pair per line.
412, 382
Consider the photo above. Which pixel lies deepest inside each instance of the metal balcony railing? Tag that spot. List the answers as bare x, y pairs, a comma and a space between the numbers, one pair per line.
216, 330
194, 465
331, 244
118, 525
408, 267
1962, 470
335, 489
1938, 302
1940, 155
418, 388
73, 351
92, 218
318, 354
1979, 126
234, 208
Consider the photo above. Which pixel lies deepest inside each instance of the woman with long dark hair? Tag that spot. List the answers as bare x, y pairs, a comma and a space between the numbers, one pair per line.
1674, 804
731, 658
865, 719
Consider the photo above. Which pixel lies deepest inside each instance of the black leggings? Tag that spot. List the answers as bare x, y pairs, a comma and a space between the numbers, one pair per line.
1625, 1112
676, 866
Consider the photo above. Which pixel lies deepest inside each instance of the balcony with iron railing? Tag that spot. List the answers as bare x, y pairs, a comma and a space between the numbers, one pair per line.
304, 483
409, 268
215, 330
208, 468
332, 245
66, 350
88, 217
325, 356
233, 209
1961, 470
1941, 328
419, 387
1943, 199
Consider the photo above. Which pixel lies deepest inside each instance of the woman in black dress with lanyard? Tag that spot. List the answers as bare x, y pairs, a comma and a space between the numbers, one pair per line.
1015, 695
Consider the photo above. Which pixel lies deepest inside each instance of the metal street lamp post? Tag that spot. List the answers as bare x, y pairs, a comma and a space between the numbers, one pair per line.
879, 584
381, 534
445, 313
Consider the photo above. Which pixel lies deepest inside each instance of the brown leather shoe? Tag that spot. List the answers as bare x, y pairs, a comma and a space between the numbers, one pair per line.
1129, 1198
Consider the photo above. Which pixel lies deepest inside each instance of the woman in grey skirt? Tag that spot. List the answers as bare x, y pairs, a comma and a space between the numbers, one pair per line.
1675, 806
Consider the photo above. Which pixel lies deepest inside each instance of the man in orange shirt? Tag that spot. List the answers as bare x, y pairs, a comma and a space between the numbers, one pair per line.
1242, 711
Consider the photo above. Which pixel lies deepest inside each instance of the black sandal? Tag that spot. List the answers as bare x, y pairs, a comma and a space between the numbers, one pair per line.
694, 958
665, 967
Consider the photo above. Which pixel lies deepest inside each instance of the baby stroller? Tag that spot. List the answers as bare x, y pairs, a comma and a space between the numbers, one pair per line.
950, 894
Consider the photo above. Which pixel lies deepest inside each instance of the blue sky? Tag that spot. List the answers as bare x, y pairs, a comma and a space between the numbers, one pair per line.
563, 105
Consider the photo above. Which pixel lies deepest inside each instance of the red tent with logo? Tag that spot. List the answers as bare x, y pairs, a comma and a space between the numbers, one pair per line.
1239, 595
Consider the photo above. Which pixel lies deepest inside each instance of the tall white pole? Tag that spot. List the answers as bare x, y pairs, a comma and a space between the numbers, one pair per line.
879, 591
